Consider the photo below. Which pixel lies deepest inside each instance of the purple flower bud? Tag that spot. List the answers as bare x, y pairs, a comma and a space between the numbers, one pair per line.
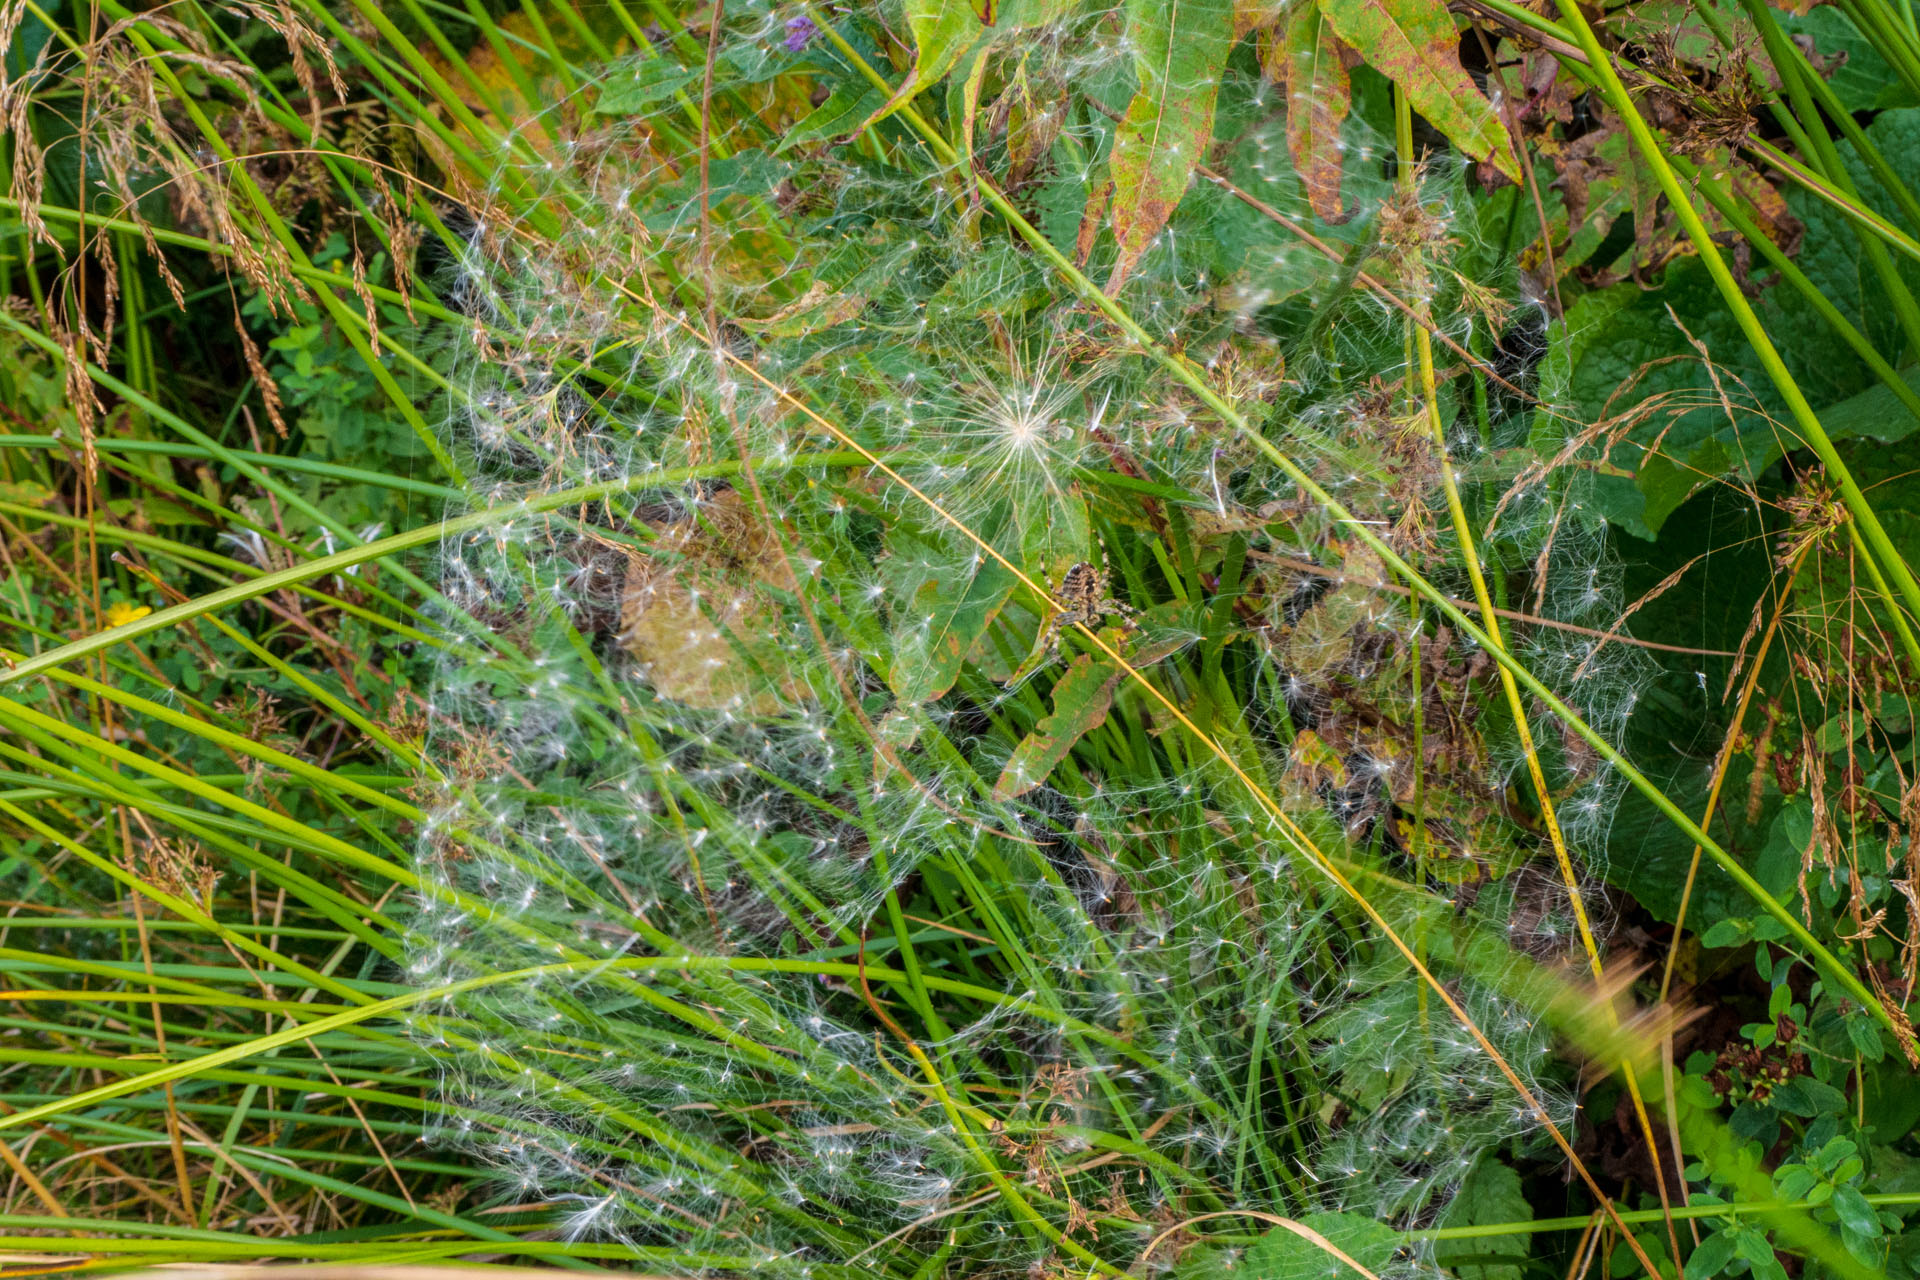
800, 32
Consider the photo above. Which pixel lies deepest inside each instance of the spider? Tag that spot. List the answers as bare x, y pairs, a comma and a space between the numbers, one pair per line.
1082, 598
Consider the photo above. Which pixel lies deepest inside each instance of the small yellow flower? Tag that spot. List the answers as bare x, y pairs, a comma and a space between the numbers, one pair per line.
120, 613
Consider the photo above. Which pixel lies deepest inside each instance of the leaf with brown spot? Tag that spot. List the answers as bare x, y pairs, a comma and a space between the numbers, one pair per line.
1250, 16
1180, 50
1081, 701
1319, 95
944, 31
1414, 44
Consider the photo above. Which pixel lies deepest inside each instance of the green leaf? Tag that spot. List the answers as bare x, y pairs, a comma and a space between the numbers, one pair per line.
1629, 335
1180, 52
1839, 732
1054, 531
1081, 700
1855, 1213
1805, 1096
1624, 1262
644, 84
1859, 77
1726, 933
841, 113
1490, 1194
995, 280
1711, 1258
1875, 413
745, 173
1414, 44
943, 602
1893, 1108
1758, 1251
1778, 864
1793, 1181
1319, 95
1864, 1034
1282, 1255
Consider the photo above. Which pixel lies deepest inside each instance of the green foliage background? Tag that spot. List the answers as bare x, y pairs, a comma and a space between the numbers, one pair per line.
548, 716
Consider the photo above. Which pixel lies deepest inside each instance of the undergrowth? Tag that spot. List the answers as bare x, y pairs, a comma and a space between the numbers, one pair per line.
986, 696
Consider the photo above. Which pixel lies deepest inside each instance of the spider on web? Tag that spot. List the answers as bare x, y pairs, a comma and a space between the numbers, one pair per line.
1082, 599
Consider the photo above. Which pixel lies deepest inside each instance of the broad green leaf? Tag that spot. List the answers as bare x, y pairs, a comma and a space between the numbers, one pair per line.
1054, 531
1714, 1253
996, 280
1856, 72
1629, 332
1180, 51
1319, 96
1491, 1194
1624, 1262
1854, 1211
643, 85
841, 113
1081, 701
1789, 843
944, 599
1875, 413
1414, 43
1864, 1035
1281, 1254
1893, 1108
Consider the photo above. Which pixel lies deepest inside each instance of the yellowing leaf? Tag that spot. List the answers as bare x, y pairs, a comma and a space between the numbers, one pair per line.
1414, 43
1254, 15
1180, 48
1081, 701
820, 307
942, 31
27, 493
1318, 99
491, 88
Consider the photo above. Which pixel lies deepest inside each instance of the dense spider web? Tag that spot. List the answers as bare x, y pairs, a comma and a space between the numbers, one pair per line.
705, 793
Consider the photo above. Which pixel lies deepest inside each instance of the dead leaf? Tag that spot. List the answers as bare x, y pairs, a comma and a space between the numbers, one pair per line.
693, 617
